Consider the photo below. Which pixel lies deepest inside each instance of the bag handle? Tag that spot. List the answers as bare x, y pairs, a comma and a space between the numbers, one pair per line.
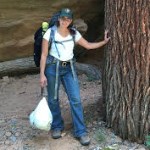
44, 91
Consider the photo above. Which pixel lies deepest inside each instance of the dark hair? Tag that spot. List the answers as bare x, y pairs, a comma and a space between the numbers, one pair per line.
72, 31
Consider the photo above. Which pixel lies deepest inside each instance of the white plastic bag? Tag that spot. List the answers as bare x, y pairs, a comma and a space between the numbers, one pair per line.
41, 117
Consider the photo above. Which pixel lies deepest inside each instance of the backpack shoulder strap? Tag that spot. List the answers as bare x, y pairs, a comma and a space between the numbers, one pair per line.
52, 38
52, 33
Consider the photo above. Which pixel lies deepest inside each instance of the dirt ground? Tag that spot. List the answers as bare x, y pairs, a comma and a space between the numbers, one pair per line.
20, 95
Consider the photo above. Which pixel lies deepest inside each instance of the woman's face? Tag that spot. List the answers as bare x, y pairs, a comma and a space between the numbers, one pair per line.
65, 21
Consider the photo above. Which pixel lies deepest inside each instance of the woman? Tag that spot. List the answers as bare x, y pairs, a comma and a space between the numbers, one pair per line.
57, 66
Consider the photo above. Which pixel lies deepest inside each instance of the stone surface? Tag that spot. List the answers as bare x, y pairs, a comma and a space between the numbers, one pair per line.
20, 19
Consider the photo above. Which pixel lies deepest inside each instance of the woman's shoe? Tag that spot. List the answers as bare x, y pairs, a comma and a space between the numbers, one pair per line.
56, 134
84, 140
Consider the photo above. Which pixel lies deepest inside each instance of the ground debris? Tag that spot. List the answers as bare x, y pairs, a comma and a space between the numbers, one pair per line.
20, 96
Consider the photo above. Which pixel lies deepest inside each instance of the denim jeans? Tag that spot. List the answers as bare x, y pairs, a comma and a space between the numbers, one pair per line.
71, 87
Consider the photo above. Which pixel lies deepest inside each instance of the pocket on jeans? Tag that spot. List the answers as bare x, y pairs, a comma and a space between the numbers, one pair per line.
49, 60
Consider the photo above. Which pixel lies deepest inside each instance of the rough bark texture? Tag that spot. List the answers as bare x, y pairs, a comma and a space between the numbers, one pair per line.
126, 78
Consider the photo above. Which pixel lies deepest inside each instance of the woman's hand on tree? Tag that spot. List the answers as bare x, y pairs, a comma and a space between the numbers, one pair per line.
106, 38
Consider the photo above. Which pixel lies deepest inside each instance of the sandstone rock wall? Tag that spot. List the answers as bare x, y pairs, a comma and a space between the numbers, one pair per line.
19, 20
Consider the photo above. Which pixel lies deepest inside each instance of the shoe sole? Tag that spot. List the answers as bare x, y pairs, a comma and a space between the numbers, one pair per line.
85, 144
56, 137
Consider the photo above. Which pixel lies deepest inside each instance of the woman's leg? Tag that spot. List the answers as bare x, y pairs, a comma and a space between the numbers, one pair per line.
72, 89
54, 106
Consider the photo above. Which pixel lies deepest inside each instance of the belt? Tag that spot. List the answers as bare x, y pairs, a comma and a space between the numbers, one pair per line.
62, 63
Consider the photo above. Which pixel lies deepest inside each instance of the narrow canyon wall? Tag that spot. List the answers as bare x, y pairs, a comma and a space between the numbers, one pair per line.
19, 20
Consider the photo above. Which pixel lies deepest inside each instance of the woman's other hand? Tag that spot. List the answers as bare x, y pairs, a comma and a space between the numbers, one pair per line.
43, 81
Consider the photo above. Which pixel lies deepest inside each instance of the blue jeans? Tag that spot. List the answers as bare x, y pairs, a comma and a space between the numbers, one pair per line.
71, 87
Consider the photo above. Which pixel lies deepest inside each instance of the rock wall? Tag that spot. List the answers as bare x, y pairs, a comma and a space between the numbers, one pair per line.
19, 20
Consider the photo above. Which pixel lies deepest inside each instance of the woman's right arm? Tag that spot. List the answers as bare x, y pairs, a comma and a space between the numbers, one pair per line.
43, 80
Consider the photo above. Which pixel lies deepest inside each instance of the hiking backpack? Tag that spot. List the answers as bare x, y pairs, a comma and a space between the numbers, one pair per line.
38, 37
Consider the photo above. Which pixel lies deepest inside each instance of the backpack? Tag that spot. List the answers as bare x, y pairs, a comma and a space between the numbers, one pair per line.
38, 37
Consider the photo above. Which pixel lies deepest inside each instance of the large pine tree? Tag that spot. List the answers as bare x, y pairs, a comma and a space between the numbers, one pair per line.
126, 74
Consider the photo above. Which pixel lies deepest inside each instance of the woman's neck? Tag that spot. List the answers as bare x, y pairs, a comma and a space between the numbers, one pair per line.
63, 31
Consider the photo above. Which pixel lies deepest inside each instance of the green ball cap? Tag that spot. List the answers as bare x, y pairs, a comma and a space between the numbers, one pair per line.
66, 12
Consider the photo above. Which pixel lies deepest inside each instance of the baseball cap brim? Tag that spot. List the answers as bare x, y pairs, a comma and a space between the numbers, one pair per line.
66, 15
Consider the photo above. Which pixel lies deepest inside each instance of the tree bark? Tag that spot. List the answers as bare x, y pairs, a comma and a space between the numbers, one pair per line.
26, 65
126, 74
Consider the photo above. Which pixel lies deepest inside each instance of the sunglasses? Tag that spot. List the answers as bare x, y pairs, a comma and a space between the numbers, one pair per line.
65, 19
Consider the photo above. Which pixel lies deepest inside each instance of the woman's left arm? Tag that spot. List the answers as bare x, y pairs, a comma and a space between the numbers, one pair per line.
94, 45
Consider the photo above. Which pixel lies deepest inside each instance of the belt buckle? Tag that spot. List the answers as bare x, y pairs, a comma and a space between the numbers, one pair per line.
64, 64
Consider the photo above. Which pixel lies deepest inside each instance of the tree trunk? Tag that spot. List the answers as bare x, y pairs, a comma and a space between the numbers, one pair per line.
126, 74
